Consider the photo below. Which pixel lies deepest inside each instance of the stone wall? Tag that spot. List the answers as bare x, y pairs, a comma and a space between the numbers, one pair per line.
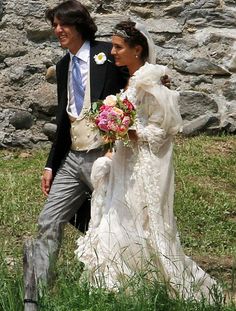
196, 39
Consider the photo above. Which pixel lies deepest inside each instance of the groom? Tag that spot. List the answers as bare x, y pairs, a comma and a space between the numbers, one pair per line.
85, 74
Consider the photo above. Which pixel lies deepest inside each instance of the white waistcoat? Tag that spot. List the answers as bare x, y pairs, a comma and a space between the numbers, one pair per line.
83, 135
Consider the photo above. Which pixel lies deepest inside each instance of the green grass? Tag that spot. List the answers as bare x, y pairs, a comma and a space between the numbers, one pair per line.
205, 198
206, 215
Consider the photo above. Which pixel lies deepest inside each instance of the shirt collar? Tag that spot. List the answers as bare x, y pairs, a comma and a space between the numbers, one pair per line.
83, 52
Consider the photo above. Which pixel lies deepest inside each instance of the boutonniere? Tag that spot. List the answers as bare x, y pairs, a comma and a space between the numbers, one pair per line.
100, 58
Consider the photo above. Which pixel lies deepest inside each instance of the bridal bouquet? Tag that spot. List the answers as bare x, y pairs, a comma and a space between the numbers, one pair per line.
113, 117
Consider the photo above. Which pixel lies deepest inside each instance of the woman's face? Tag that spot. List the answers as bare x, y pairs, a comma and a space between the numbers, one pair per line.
123, 54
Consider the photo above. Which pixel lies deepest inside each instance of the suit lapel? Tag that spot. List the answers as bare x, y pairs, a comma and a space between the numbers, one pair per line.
97, 72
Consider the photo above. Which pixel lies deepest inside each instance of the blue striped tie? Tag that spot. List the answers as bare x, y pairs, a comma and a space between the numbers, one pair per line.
77, 84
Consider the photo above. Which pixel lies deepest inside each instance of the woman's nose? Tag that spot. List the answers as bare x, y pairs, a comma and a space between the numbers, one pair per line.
113, 51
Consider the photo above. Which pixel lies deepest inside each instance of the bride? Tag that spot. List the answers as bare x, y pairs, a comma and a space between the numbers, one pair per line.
133, 228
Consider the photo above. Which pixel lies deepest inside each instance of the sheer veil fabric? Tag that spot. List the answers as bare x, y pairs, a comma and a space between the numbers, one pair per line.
151, 46
133, 227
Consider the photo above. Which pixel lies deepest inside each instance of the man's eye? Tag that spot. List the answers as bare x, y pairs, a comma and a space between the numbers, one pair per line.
55, 25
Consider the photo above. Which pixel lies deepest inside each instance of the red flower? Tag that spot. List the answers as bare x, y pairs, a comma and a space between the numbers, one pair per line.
128, 104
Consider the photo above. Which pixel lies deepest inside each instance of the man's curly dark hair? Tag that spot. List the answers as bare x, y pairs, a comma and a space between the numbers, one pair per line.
74, 13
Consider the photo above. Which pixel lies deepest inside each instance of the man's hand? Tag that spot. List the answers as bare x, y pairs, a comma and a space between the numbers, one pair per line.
46, 181
165, 80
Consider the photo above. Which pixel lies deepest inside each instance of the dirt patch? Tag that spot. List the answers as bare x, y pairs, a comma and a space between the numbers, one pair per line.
222, 268
207, 182
211, 145
222, 147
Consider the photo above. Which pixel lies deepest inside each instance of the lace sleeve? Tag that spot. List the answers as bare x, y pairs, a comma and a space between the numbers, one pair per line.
150, 132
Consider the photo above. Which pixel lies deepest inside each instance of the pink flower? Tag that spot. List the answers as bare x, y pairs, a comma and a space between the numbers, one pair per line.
104, 107
118, 111
103, 126
122, 129
113, 117
112, 126
126, 121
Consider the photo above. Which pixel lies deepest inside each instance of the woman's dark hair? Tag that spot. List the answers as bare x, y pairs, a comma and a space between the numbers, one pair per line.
73, 13
133, 36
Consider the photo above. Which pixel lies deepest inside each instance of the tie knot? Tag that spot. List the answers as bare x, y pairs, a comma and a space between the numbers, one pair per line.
75, 59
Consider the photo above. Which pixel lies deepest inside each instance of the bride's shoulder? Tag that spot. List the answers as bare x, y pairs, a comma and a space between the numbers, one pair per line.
150, 73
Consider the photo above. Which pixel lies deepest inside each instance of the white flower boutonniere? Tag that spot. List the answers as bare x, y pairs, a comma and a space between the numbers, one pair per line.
100, 58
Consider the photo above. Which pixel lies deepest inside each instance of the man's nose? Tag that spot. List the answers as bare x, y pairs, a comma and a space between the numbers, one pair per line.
58, 28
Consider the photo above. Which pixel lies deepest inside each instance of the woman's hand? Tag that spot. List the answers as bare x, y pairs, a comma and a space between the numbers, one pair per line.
133, 135
109, 154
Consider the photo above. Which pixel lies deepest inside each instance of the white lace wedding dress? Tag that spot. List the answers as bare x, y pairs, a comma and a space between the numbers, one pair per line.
132, 227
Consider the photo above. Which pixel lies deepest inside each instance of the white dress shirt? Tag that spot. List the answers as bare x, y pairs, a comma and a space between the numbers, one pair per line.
84, 56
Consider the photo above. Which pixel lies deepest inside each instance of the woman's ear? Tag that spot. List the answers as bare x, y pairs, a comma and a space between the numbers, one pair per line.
138, 50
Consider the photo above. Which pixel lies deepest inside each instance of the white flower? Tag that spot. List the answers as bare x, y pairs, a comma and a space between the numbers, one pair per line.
100, 58
110, 100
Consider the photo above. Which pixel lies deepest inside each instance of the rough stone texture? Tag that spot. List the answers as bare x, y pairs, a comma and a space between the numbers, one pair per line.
49, 130
195, 104
195, 38
200, 124
200, 66
21, 120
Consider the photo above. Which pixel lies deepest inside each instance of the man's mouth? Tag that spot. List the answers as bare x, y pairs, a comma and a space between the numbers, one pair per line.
62, 37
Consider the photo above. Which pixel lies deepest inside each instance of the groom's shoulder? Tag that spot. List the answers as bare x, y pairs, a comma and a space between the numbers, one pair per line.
64, 60
101, 44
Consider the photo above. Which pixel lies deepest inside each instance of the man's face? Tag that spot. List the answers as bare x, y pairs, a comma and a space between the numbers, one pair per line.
67, 35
